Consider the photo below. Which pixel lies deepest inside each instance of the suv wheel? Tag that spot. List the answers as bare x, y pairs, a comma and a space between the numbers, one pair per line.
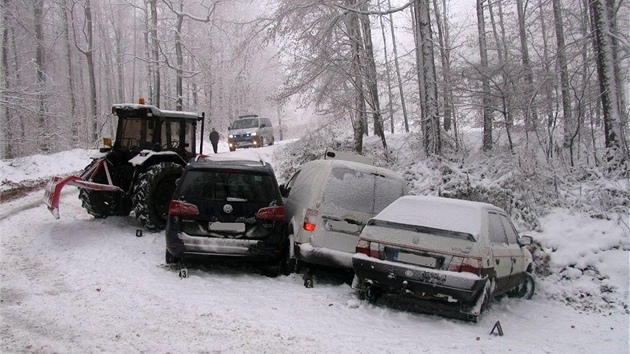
170, 258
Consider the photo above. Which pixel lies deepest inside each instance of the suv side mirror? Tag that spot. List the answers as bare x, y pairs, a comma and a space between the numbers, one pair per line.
263, 125
283, 190
525, 240
229, 127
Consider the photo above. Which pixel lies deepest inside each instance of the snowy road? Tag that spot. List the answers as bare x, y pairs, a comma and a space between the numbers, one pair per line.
81, 285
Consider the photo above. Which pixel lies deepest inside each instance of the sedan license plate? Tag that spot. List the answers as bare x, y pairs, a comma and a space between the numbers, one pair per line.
235, 227
423, 261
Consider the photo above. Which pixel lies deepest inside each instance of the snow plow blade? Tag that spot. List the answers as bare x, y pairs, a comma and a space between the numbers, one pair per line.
52, 192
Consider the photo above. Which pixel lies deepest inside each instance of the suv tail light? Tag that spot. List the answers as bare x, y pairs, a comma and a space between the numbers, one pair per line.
372, 249
310, 220
274, 213
179, 208
468, 265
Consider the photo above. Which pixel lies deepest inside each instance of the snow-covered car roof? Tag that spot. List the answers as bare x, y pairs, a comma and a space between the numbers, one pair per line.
358, 166
437, 212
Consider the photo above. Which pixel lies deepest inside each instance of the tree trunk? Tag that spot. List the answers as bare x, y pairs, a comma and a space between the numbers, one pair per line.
6, 134
607, 83
179, 72
570, 127
38, 12
371, 76
483, 53
390, 95
531, 117
443, 40
547, 87
89, 54
358, 123
398, 75
74, 119
427, 80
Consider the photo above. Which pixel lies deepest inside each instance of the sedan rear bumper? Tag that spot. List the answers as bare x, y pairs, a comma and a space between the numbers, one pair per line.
407, 279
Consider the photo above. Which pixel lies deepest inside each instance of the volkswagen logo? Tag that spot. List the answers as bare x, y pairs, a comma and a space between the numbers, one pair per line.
415, 240
227, 208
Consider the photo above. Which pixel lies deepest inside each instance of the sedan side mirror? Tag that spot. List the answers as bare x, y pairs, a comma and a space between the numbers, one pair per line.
525, 240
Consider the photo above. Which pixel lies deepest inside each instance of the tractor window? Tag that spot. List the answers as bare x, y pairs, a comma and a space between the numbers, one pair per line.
177, 135
136, 133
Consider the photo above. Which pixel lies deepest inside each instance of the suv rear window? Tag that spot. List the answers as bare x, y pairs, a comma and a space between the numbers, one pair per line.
228, 185
346, 188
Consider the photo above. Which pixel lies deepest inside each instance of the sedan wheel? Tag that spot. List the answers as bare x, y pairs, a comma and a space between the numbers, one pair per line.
526, 289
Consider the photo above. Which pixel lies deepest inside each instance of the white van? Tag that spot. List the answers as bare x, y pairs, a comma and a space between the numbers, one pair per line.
250, 131
327, 202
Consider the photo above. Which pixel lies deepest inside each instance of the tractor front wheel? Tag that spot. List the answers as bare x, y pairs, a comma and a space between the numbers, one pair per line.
153, 192
101, 204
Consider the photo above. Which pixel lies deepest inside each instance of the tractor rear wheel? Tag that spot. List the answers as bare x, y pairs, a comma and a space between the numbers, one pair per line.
153, 192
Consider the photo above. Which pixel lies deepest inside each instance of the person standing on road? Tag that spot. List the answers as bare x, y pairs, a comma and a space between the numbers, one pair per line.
214, 139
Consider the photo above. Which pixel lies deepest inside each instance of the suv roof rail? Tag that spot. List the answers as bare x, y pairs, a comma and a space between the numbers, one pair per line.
248, 116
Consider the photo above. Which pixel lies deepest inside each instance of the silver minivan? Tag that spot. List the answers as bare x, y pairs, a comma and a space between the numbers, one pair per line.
250, 131
327, 203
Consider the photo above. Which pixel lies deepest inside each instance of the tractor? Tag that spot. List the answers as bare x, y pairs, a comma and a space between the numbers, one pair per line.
137, 173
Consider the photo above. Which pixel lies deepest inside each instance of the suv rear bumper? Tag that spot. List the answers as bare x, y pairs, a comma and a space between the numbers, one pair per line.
254, 250
404, 279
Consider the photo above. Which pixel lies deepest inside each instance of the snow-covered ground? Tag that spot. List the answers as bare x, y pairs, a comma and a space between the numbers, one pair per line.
82, 285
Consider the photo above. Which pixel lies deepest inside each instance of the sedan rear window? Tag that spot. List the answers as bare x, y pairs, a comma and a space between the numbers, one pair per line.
228, 185
423, 229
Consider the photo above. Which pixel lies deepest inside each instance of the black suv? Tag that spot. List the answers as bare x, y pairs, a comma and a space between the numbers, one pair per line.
227, 209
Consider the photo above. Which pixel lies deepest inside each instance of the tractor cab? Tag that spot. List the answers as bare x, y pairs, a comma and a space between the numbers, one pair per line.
145, 127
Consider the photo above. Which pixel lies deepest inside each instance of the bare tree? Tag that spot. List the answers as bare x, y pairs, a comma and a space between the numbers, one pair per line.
390, 95
569, 125
427, 80
531, 115
401, 92
38, 9
608, 85
6, 135
483, 53
86, 47
370, 76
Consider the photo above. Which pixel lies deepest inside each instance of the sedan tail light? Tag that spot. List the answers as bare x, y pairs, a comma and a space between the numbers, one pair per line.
372, 249
179, 208
310, 220
468, 265
274, 213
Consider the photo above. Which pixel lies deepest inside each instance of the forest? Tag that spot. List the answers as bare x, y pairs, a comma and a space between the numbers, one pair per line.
543, 78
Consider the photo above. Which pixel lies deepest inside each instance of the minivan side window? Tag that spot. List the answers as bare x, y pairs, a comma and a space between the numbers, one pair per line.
290, 183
